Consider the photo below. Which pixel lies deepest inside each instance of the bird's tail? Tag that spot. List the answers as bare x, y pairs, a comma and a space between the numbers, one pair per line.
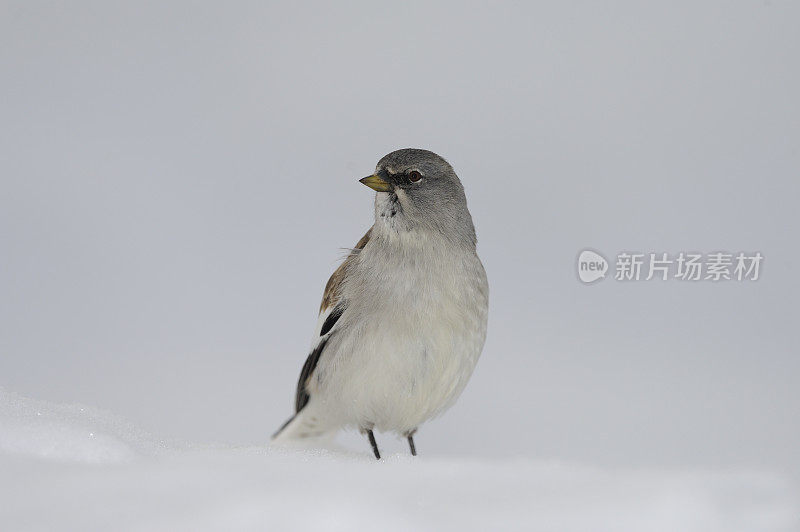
302, 426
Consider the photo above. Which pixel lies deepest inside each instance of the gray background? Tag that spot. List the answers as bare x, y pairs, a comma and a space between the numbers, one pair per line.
178, 180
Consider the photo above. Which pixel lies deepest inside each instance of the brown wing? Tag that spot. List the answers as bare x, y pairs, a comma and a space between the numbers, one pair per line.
334, 286
332, 298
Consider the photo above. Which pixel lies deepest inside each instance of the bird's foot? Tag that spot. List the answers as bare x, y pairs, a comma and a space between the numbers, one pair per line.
410, 436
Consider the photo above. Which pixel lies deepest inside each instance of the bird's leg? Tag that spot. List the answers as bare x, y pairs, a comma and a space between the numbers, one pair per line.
410, 436
372, 442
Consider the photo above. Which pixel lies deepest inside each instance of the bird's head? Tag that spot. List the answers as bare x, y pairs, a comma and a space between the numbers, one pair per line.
418, 190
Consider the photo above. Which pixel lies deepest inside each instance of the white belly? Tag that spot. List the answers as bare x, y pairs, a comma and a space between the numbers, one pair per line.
407, 347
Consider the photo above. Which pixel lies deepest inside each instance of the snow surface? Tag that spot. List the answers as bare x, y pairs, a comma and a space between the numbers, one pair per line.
67, 467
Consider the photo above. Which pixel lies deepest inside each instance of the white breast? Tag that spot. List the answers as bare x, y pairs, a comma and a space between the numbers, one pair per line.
411, 336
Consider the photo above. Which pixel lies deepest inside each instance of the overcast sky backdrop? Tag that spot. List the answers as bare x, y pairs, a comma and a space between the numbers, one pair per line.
178, 180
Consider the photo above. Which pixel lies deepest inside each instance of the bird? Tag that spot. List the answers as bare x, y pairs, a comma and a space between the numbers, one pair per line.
403, 319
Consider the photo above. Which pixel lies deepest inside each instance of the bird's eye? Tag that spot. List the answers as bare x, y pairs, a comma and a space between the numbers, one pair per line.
414, 176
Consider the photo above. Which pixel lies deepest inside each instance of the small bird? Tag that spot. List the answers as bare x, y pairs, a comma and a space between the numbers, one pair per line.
403, 318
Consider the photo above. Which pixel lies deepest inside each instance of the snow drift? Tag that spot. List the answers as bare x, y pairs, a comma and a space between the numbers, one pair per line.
76, 468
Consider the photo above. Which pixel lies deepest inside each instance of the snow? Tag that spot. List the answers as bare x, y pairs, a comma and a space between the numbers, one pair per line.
70, 467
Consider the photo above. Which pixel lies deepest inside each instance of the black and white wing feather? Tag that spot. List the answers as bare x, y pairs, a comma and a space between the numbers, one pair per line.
332, 308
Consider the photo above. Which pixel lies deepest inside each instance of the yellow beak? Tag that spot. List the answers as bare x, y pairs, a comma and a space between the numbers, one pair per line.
376, 183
